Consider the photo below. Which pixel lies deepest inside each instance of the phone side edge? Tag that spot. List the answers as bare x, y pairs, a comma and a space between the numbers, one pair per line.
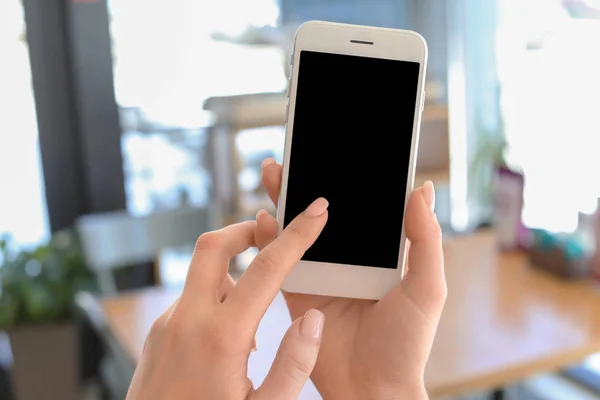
413, 159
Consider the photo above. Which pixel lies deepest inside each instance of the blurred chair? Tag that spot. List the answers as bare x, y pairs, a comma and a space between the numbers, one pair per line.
123, 251
103, 360
115, 241
236, 113
232, 115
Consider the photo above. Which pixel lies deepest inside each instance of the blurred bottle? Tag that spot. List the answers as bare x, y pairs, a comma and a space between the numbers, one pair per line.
586, 232
508, 208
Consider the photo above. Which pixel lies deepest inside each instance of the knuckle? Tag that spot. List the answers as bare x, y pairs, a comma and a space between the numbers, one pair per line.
157, 329
443, 294
438, 300
178, 325
267, 261
297, 369
295, 232
208, 241
172, 324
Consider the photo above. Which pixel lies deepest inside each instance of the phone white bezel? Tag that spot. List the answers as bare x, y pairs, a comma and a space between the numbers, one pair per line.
337, 279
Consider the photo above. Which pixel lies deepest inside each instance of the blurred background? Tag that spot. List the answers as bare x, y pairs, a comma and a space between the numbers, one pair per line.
130, 127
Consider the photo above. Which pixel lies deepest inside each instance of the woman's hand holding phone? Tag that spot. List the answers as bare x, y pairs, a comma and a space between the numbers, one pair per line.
378, 350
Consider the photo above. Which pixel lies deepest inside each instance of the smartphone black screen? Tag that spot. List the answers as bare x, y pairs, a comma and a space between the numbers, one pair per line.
351, 144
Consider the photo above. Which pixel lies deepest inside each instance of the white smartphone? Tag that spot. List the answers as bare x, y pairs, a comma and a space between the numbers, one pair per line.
354, 109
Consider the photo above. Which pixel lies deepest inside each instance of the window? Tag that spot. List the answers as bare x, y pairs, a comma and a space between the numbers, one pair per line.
22, 197
549, 67
166, 64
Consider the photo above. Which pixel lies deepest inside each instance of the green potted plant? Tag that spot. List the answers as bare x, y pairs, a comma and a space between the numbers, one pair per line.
37, 288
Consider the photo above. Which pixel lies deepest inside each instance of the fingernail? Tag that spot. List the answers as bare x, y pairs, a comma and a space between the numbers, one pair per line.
429, 195
266, 162
311, 326
318, 207
261, 212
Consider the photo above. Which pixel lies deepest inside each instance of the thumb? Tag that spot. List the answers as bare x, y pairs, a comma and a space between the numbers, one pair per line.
295, 359
425, 283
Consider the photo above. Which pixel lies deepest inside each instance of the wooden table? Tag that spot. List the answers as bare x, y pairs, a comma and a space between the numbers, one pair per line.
503, 322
